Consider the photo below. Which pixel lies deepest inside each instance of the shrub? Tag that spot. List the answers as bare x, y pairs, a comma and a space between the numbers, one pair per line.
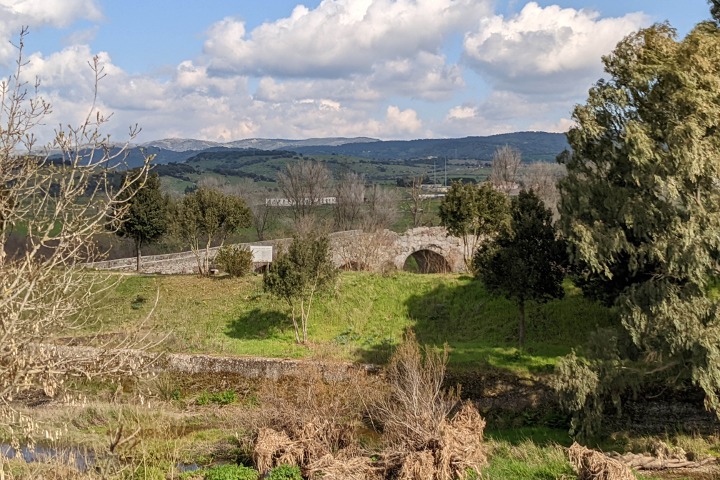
285, 472
226, 397
236, 260
231, 472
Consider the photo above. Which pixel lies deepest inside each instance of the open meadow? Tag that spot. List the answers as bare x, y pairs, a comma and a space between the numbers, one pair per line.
361, 320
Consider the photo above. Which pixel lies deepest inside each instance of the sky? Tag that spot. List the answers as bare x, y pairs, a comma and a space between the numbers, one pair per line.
224, 70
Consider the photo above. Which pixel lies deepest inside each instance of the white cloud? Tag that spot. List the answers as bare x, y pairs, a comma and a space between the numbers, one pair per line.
402, 122
560, 126
340, 69
339, 37
505, 111
425, 76
82, 37
16, 14
549, 49
461, 112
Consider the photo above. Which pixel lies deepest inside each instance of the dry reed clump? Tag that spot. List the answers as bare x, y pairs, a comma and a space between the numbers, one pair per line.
461, 446
428, 434
458, 449
592, 465
302, 444
342, 467
303, 420
426, 440
274, 448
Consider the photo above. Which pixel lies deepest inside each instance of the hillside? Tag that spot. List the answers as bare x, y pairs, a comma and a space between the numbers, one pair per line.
534, 146
385, 162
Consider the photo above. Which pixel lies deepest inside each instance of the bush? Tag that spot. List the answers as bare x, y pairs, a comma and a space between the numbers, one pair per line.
226, 397
236, 260
285, 472
231, 472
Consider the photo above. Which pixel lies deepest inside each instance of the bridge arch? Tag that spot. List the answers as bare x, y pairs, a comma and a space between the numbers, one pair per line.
426, 260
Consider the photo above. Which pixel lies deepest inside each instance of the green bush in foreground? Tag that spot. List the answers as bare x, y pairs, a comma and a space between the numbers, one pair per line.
231, 472
285, 472
236, 260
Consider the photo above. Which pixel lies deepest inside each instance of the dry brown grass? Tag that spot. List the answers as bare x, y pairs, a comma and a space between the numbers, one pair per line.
276, 448
303, 421
415, 404
340, 467
427, 433
593, 465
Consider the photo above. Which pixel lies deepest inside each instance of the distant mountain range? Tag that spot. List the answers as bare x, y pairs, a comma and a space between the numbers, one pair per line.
184, 145
534, 146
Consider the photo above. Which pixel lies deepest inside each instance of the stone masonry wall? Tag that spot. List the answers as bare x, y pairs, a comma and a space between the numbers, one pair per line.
373, 251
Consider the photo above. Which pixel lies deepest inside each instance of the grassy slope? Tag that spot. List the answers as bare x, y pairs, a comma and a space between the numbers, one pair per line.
360, 320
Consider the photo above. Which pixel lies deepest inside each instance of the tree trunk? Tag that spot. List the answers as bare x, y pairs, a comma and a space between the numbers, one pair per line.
295, 325
303, 317
206, 262
138, 244
521, 325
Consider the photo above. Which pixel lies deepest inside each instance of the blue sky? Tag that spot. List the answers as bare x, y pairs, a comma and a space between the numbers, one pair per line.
394, 69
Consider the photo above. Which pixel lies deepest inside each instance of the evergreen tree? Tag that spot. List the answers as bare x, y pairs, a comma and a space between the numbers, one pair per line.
145, 215
525, 262
208, 215
296, 276
471, 213
641, 205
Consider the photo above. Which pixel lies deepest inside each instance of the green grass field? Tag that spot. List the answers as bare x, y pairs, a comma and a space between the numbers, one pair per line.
360, 320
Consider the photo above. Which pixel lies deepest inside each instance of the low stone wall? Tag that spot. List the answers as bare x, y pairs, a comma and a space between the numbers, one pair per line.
138, 361
375, 251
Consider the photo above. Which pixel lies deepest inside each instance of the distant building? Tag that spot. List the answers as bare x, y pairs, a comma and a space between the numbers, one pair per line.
288, 202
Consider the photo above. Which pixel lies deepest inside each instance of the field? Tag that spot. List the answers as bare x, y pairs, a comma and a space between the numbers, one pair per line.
360, 321
170, 425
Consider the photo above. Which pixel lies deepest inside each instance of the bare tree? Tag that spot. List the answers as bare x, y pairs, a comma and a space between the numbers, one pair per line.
304, 184
417, 201
505, 167
349, 200
61, 201
263, 214
542, 178
364, 250
382, 208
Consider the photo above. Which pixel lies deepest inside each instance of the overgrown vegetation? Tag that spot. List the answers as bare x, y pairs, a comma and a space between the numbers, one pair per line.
640, 209
236, 260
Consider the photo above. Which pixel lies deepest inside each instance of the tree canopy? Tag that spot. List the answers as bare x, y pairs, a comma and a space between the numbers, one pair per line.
296, 276
471, 212
641, 201
145, 217
209, 215
527, 261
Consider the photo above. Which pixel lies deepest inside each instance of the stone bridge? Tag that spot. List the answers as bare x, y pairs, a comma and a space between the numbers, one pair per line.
424, 249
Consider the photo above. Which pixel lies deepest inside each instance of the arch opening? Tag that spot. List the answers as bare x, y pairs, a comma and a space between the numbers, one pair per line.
426, 261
